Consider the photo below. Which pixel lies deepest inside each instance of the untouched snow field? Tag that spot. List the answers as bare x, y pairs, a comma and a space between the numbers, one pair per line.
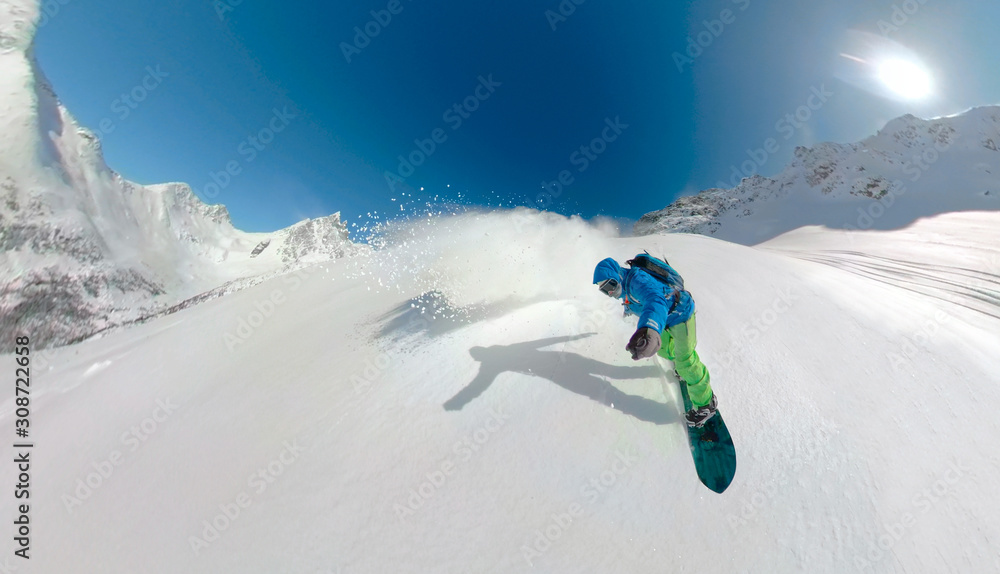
317, 422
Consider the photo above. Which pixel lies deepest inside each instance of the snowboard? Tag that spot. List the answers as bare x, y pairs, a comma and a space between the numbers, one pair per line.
712, 448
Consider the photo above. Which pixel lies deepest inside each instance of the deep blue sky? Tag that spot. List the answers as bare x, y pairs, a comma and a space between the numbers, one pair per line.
686, 129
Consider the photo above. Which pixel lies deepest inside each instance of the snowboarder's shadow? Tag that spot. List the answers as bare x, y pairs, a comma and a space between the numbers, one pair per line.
570, 371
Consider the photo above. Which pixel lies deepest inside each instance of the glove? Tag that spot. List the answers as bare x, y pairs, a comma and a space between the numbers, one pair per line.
643, 344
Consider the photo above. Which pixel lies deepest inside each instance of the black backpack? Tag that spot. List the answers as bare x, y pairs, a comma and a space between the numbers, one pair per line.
659, 269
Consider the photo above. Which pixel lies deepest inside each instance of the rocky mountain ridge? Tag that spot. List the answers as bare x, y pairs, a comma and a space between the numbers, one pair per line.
911, 168
81, 248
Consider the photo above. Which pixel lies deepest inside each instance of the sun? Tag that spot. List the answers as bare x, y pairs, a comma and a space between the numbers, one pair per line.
906, 78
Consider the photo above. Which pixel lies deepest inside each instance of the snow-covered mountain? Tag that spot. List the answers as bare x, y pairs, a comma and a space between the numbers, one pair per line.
912, 168
81, 248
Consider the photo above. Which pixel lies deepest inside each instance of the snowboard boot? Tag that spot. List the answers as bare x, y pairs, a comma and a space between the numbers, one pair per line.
697, 417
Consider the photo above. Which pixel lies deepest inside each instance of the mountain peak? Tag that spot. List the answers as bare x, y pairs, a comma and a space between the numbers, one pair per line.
83, 248
911, 168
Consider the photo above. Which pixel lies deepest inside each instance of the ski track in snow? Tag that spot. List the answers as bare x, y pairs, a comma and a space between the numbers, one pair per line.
969, 288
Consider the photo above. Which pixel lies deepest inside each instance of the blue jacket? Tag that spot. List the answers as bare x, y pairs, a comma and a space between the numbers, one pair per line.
656, 304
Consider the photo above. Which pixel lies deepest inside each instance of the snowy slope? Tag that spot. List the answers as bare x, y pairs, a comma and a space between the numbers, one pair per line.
912, 168
81, 248
858, 373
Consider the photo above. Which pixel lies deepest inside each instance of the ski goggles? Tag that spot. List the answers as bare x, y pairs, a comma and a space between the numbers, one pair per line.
611, 288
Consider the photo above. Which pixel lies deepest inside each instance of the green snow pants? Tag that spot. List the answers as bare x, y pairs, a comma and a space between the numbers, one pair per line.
678, 343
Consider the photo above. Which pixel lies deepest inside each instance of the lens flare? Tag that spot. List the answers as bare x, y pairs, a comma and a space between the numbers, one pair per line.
883, 67
906, 79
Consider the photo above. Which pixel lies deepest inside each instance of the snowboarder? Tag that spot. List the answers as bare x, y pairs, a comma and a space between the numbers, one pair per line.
654, 291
